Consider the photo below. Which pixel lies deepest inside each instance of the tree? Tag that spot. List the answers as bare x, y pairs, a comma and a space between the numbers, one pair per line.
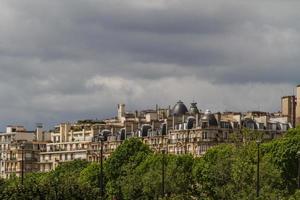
229, 172
282, 153
89, 180
145, 182
62, 183
134, 172
212, 173
122, 162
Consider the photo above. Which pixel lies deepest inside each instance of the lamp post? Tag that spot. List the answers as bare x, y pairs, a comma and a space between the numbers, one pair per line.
22, 162
298, 156
100, 138
257, 171
101, 166
163, 174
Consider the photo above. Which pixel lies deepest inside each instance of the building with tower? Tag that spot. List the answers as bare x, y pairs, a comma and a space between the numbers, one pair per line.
177, 129
288, 108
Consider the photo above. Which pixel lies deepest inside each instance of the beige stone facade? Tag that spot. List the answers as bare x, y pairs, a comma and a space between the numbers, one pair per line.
11, 150
288, 109
178, 131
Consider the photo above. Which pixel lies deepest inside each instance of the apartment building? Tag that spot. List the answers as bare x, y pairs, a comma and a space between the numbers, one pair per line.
195, 132
18, 145
68, 142
179, 130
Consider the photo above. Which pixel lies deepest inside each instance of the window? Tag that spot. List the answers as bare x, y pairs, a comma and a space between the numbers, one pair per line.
204, 135
235, 124
224, 125
28, 155
225, 135
261, 125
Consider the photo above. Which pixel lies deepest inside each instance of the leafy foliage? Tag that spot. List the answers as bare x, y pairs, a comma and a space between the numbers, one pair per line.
133, 171
122, 163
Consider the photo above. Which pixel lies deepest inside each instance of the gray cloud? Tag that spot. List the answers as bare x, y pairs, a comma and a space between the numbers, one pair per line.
72, 59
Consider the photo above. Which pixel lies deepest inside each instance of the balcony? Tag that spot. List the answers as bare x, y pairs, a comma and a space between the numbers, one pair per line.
45, 161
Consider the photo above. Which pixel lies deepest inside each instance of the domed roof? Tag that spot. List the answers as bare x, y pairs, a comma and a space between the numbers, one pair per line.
193, 109
210, 118
179, 109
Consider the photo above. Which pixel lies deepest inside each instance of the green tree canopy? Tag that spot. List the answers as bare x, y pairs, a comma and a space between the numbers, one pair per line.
122, 163
133, 171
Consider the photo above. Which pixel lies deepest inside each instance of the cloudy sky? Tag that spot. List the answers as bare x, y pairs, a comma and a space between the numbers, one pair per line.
63, 60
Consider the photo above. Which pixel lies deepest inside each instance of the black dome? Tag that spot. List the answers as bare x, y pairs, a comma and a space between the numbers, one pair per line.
179, 109
210, 118
193, 109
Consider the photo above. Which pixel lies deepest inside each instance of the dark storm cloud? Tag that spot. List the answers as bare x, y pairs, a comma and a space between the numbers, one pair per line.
72, 59
173, 21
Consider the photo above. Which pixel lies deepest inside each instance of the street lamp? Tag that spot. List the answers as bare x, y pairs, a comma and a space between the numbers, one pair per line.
22, 163
257, 171
298, 156
100, 138
163, 174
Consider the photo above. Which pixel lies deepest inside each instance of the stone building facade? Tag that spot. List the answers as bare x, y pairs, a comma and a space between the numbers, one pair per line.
178, 130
